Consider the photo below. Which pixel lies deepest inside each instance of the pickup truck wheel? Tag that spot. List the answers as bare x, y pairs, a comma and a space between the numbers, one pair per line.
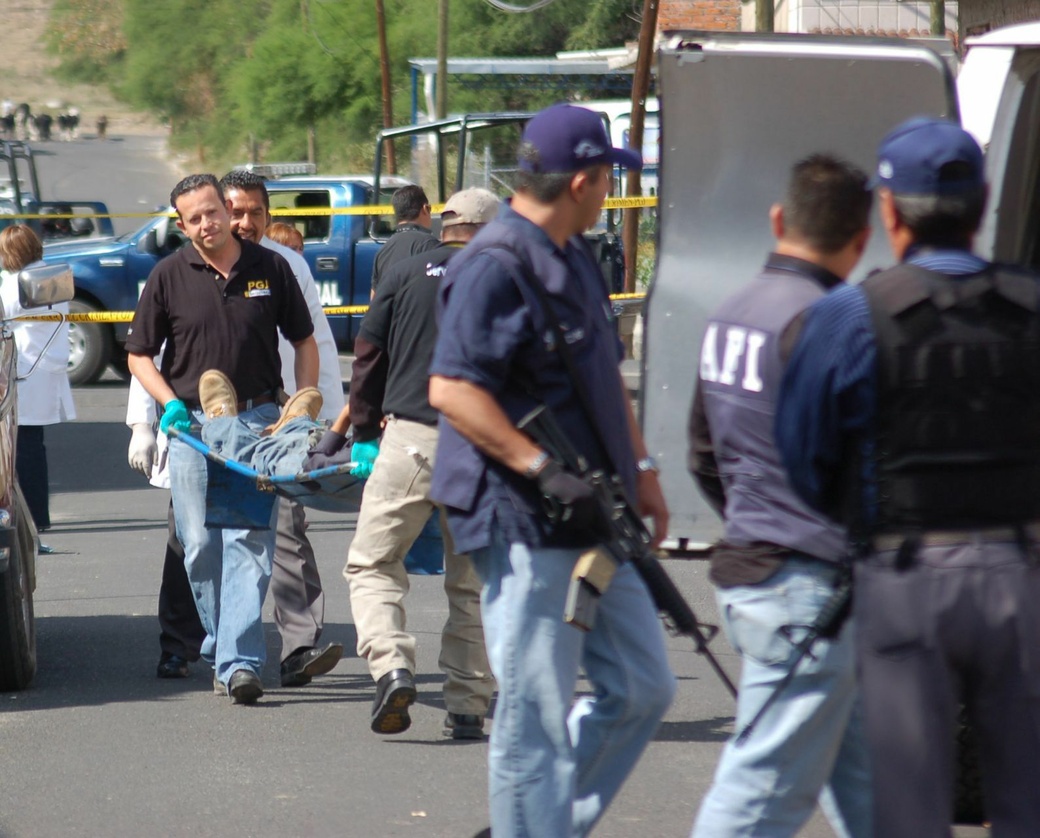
120, 364
90, 346
17, 623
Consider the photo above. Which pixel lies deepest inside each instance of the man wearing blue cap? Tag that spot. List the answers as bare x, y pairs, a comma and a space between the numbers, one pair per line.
554, 763
910, 411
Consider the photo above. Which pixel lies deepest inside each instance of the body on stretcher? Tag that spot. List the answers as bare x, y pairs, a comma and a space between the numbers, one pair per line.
240, 497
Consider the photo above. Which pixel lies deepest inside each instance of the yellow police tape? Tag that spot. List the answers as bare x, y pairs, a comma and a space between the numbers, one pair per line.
307, 212
127, 316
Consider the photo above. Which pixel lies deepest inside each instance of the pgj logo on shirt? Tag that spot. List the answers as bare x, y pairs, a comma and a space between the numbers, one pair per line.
258, 288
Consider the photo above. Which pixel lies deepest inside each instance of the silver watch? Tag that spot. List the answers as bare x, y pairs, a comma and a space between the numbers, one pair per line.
648, 463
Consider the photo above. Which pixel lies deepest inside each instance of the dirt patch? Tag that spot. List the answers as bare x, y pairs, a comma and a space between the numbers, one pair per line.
27, 77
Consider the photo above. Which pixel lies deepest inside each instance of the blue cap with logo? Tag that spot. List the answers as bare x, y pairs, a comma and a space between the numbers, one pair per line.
568, 138
915, 159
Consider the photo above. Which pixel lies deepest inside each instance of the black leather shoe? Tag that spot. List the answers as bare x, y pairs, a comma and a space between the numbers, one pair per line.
464, 726
244, 687
395, 693
304, 664
171, 666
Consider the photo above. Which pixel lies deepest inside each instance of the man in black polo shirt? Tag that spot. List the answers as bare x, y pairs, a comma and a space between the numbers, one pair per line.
412, 236
390, 378
220, 305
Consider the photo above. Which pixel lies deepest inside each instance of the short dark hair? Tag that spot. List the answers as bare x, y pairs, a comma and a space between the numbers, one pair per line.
942, 220
191, 183
408, 202
246, 182
544, 187
827, 201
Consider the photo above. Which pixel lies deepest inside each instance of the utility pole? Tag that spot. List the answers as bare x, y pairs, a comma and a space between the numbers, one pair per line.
764, 15
442, 59
384, 72
939, 17
312, 134
633, 184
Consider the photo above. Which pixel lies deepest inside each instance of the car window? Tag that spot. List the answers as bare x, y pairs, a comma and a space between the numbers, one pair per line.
314, 228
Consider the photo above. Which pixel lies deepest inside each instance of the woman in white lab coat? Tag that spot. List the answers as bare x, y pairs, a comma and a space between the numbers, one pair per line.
45, 397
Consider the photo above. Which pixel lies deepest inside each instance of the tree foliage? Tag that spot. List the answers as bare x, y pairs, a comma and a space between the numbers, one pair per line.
88, 35
230, 76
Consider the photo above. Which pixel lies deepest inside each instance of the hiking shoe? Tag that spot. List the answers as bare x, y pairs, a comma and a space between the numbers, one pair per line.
217, 395
306, 402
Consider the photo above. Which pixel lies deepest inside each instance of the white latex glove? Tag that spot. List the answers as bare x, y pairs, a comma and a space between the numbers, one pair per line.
143, 452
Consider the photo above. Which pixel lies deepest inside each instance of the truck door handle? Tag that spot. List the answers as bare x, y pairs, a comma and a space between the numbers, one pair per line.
327, 263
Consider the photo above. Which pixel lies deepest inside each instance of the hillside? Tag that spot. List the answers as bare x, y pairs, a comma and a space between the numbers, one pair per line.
27, 76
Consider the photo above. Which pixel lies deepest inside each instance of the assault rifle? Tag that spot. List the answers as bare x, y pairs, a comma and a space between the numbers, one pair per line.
826, 625
629, 541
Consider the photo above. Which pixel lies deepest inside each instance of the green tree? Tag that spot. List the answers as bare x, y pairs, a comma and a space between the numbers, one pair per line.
227, 74
87, 35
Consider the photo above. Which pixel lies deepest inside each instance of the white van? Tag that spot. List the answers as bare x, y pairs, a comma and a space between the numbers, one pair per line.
619, 113
737, 110
984, 72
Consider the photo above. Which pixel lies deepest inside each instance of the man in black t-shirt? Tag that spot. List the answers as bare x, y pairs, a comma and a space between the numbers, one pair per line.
220, 304
390, 380
412, 235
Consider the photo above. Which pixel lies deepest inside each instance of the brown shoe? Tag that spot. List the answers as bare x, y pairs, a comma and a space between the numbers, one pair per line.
217, 395
305, 402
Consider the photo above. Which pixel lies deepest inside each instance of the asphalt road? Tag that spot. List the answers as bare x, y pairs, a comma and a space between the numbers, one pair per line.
130, 174
100, 746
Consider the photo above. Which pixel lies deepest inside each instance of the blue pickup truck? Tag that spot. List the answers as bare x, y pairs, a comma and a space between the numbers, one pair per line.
109, 273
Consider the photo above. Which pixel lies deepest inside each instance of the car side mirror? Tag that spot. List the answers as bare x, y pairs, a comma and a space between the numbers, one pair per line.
45, 285
150, 242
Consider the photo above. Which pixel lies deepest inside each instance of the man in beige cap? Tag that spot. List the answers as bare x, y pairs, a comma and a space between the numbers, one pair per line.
389, 381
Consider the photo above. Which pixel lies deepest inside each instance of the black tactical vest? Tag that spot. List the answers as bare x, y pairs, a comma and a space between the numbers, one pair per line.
958, 413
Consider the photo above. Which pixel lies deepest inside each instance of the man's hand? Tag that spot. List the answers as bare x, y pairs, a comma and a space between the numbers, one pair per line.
580, 507
364, 455
175, 415
651, 504
143, 454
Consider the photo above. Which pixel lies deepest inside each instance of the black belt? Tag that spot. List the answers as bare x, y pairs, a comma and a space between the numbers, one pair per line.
956, 538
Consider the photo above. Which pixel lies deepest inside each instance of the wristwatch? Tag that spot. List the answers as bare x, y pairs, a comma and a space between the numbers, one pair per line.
536, 465
648, 463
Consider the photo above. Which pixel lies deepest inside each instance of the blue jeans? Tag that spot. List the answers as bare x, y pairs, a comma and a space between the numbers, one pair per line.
229, 569
281, 454
555, 764
811, 740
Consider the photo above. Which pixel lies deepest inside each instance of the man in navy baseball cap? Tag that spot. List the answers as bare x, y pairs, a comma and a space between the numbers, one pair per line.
567, 138
926, 371
556, 760
928, 156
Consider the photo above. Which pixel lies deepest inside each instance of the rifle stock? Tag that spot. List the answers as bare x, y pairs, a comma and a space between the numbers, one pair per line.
629, 541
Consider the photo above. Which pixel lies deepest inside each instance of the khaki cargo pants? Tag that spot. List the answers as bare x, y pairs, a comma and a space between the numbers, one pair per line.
394, 508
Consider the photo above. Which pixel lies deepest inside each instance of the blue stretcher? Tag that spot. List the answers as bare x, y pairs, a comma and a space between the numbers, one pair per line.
240, 497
